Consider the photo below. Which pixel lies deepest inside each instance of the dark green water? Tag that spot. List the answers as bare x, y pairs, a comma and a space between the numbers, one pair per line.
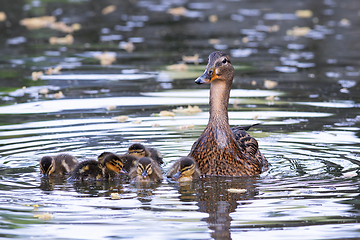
309, 132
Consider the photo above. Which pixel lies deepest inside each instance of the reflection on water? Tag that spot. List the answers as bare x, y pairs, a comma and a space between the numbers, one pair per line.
296, 73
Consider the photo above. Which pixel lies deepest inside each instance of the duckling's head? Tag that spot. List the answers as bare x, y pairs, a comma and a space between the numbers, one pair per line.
186, 169
138, 150
144, 168
113, 163
47, 165
218, 68
102, 156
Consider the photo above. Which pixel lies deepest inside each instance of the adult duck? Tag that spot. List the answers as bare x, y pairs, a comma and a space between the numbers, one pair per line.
221, 150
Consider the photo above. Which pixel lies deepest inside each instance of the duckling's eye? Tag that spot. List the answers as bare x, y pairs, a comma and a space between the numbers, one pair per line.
224, 60
210, 72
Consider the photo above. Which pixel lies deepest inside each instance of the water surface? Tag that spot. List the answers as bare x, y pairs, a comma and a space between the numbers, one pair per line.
296, 73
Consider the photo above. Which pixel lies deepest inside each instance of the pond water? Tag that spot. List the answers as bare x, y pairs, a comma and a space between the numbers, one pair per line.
297, 69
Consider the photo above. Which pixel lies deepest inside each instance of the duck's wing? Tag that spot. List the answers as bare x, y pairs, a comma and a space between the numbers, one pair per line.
245, 140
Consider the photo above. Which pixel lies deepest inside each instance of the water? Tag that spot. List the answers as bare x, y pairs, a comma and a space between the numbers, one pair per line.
309, 132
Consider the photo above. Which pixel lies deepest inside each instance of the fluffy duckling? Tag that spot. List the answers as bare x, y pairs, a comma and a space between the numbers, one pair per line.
184, 170
128, 160
57, 165
113, 166
110, 168
146, 170
88, 170
138, 150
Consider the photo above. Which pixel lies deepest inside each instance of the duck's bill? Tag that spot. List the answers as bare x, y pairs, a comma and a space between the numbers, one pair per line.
177, 175
123, 172
207, 77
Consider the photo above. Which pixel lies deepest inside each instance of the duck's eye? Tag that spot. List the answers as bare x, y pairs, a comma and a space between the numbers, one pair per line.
210, 72
224, 60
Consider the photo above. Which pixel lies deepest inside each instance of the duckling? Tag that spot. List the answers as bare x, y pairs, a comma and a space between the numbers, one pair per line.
128, 160
57, 165
146, 170
221, 150
184, 170
88, 170
138, 150
113, 166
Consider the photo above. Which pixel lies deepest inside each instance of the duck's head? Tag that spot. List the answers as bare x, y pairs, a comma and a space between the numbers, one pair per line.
138, 150
113, 163
47, 165
186, 169
218, 68
144, 168
102, 156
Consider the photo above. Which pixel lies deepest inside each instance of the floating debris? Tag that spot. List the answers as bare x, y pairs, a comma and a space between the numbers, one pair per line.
44, 91
179, 11
111, 107
213, 18
45, 216
177, 67
270, 84
236, 190
59, 95
127, 46
61, 26
188, 110
2, 16
214, 41
121, 119
106, 58
55, 70
155, 125
36, 75
164, 114
345, 22
304, 13
185, 127
194, 59
136, 122
298, 31
235, 104
115, 196
108, 9
37, 22
67, 40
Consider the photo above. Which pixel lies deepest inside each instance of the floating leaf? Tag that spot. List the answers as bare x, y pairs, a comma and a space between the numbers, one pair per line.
36, 75
236, 190
185, 127
177, 67
193, 59
106, 58
37, 22
298, 31
213, 18
127, 46
108, 9
188, 110
2, 16
304, 13
121, 119
67, 40
115, 196
270, 84
179, 11
45, 216
166, 114
52, 71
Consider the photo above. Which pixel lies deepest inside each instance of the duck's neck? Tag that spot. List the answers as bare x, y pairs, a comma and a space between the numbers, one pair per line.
219, 99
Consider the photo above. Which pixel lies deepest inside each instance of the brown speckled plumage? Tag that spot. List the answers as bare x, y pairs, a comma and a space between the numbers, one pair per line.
58, 165
221, 150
